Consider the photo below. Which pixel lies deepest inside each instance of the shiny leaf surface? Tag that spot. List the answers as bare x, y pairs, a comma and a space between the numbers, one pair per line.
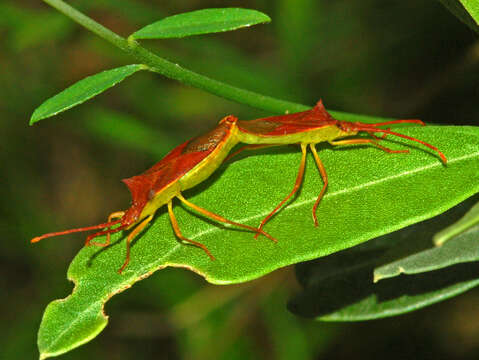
82, 91
199, 22
371, 193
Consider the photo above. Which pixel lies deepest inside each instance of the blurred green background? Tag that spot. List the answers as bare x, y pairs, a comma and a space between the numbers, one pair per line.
410, 59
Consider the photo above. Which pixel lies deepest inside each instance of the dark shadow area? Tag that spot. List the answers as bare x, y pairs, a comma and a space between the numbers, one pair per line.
341, 291
344, 278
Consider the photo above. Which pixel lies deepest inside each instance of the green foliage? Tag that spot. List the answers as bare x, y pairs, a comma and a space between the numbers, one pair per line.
462, 248
340, 287
466, 10
349, 294
199, 22
171, 70
82, 91
468, 221
394, 190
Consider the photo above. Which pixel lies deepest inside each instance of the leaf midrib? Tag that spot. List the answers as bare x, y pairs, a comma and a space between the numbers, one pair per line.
212, 229
71, 324
296, 204
123, 285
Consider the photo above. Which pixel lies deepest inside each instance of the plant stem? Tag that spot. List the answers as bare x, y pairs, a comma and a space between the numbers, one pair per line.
175, 71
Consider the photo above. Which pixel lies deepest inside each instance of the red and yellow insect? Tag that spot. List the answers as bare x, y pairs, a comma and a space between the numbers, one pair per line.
195, 160
184, 167
307, 128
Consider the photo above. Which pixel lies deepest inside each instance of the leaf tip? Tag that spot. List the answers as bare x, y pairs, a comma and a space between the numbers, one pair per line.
439, 240
35, 117
266, 18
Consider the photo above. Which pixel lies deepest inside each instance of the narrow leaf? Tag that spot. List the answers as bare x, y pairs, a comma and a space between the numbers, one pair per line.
469, 220
354, 296
198, 22
460, 249
82, 91
394, 190
340, 287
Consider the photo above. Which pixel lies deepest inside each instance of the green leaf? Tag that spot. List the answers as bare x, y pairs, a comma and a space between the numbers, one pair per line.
463, 248
352, 296
391, 190
198, 22
468, 221
340, 287
466, 10
83, 90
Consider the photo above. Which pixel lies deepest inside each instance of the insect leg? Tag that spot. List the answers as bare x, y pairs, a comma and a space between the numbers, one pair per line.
115, 215
222, 219
324, 175
130, 237
249, 147
177, 231
410, 121
297, 184
382, 137
366, 141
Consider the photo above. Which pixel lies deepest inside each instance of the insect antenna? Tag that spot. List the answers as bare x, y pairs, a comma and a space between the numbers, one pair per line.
372, 128
103, 232
87, 228
401, 121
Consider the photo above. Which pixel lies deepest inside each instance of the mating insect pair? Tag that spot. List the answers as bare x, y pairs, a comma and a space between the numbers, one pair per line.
195, 160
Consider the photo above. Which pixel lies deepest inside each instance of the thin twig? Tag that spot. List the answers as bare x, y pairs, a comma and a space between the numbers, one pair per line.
174, 71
